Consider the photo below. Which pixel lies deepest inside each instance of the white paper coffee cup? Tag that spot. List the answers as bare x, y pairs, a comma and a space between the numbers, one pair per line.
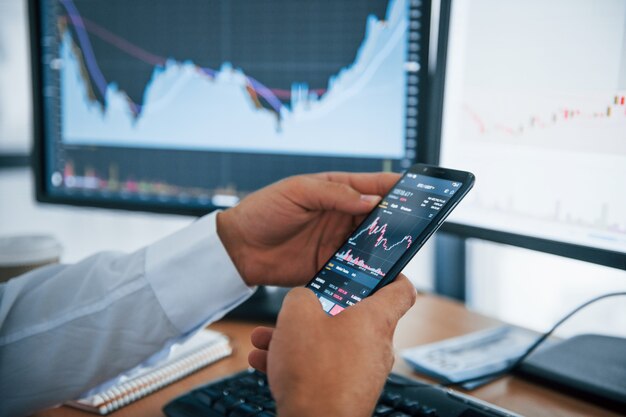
20, 254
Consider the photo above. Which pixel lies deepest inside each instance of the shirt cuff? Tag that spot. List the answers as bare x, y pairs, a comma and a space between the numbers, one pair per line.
193, 277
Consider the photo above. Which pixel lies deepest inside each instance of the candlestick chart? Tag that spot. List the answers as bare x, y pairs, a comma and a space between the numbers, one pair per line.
543, 129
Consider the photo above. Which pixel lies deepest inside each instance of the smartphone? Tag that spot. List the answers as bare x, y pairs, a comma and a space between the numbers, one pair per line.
390, 235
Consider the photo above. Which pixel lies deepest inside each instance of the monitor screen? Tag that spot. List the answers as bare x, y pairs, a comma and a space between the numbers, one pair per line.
191, 105
535, 106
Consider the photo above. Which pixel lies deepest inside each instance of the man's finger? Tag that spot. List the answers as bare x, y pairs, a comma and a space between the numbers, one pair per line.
301, 303
261, 337
258, 360
317, 194
378, 183
387, 305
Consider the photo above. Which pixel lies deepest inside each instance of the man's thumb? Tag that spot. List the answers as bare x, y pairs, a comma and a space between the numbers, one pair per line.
298, 302
391, 302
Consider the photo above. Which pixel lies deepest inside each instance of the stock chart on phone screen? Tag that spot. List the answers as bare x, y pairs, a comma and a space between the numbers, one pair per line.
282, 86
381, 240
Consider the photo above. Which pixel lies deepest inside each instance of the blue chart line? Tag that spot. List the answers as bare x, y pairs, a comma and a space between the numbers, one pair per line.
361, 114
99, 79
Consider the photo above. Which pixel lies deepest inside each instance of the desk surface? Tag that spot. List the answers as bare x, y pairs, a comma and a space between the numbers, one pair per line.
430, 320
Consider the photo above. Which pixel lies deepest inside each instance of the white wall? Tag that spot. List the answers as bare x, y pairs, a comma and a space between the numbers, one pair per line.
81, 231
535, 290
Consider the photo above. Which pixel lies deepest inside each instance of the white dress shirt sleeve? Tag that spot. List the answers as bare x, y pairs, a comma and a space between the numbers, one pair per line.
193, 277
65, 329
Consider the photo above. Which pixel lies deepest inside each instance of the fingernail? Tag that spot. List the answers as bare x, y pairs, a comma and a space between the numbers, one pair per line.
369, 198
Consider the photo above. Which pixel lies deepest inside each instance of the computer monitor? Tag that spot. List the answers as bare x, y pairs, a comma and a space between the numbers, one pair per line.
187, 106
534, 105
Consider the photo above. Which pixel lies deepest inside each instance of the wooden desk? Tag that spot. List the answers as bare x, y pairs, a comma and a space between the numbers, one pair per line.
431, 319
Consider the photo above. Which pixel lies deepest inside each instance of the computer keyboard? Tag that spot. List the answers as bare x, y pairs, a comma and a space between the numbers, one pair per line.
247, 394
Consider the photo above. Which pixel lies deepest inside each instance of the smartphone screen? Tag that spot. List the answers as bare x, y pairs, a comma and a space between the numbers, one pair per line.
387, 233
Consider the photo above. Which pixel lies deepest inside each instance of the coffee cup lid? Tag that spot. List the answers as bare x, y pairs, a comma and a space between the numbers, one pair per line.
28, 250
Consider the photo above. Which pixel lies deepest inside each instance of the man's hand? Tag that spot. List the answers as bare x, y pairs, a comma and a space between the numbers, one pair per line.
320, 365
282, 234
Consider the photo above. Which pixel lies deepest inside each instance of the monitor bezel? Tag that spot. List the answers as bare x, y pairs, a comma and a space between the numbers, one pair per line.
590, 254
40, 164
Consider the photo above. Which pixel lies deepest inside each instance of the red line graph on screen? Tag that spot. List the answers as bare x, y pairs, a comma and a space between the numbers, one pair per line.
347, 256
375, 228
613, 109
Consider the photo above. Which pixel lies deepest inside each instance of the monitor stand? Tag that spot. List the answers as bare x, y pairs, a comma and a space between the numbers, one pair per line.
264, 305
591, 366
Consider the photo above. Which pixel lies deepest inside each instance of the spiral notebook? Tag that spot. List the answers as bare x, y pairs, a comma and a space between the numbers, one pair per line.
181, 359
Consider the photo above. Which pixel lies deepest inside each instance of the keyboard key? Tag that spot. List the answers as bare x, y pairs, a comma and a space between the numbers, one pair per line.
245, 410
249, 381
244, 393
382, 410
391, 399
266, 414
257, 399
185, 409
411, 407
220, 386
269, 405
225, 404
207, 396
429, 412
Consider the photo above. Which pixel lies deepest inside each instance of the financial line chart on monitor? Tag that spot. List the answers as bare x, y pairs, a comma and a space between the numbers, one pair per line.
187, 105
543, 128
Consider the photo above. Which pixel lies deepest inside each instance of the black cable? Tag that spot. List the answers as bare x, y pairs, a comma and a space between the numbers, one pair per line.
537, 343
524, 355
